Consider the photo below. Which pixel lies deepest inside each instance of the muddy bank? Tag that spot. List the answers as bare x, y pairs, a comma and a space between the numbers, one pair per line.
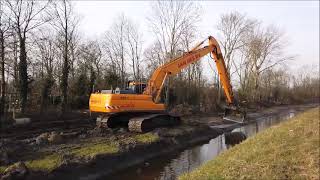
104, 164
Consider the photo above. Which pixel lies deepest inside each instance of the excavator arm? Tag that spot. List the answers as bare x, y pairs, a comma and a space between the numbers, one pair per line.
173, 67
232, 111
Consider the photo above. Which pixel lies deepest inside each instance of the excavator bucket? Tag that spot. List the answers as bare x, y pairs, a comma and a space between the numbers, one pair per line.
234, 114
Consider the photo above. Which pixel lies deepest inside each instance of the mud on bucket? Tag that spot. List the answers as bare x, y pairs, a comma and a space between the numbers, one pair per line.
234, 114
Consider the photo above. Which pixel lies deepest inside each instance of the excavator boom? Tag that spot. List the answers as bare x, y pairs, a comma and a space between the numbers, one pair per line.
173, 67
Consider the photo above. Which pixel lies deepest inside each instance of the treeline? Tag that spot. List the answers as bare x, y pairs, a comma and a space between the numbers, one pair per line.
46, 63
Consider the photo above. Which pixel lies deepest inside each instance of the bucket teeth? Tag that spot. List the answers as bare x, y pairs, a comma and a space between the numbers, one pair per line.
233, 119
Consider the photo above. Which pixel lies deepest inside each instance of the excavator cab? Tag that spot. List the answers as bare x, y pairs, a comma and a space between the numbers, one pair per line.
132, 88
136, 87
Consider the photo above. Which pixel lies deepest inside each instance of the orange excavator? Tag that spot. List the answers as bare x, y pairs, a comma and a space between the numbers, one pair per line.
138, 108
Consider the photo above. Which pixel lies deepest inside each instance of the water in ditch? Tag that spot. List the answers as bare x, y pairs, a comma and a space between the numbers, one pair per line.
169, 167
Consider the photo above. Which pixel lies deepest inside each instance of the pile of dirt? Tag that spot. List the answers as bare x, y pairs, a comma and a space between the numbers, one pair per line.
52, 138
97, 132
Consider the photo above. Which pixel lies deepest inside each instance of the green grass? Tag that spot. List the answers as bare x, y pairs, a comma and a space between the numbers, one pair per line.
46, 163
2, 168
287, 151
107, 147
91, 150
146, 138
43, 163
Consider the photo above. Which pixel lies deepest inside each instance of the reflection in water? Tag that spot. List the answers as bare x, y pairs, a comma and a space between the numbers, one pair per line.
192, 158
170, 167
263, 123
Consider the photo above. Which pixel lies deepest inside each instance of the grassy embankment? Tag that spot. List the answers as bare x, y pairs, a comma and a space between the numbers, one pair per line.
287, 151
51, 160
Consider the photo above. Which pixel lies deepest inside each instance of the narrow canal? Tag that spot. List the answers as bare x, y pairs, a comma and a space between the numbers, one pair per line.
169, 167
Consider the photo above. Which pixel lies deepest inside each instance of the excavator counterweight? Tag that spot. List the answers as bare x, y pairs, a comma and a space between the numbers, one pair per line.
138, 108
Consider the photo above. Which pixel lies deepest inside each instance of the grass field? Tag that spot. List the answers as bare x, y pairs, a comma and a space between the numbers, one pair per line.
289, 150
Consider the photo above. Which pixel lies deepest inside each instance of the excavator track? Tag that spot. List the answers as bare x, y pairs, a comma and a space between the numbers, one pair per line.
115, 120
137, 122
149, 122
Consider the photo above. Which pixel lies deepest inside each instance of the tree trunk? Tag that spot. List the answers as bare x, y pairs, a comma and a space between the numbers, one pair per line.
45, 92
64, 84
134, 70
65, 68
15, 64
199, 88
92, 80
189, 86
167, 98
3, 83
64, 79
23, 74
256, 93
122, 73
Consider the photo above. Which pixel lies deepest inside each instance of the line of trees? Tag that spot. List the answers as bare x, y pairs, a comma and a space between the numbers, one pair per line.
46, 63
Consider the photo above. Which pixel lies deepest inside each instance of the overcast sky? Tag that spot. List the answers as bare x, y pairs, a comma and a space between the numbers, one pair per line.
299, 19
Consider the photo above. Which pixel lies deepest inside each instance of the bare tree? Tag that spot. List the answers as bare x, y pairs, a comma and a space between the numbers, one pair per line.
274, 85
65, 22
169, 21
26, 16
306, 83
90, 56
192, 75
46, 54
115, 44
264, 50
4, 33
242, 69
233, 27
109, 56
134, 48
152, 57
